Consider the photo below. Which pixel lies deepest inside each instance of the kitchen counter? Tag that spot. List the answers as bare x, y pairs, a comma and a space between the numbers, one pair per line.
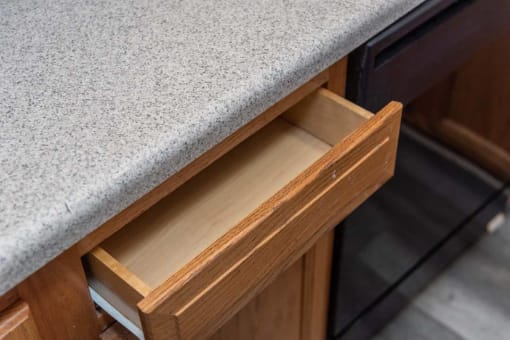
102, 101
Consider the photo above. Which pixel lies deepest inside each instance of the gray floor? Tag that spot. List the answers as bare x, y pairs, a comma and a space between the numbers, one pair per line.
470, 300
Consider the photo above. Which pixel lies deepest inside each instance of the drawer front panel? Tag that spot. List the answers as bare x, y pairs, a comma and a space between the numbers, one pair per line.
220, 281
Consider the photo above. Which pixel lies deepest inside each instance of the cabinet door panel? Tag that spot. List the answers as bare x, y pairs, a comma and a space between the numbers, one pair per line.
17, 323
274, 314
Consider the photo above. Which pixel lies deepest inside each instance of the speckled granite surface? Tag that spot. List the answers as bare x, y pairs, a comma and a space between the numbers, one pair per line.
100, 101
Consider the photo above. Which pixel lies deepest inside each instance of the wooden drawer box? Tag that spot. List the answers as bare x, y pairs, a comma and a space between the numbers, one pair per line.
187, 265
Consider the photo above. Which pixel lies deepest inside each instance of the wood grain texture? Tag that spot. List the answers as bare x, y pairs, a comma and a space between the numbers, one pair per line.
17, 323
217, 283
115, 283
152, 248
476, 146
318, 260
327, 116
102, 257
470, 110
8, 299
59, 299
211, 289
224, 193
194, 216
427, 111
480, 97
116, 332
480, 103
273, 314
338, 77
161, 191
316, 279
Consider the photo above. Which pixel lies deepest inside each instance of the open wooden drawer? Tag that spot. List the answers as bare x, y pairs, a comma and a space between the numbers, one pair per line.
191, 262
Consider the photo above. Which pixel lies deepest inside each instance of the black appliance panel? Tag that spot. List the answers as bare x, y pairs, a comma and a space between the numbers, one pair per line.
422, 48
388, 249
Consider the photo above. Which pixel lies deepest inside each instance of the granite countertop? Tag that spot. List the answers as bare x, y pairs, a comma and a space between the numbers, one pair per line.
100, 101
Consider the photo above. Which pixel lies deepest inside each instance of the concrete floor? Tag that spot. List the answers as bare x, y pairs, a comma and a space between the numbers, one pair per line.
470, 300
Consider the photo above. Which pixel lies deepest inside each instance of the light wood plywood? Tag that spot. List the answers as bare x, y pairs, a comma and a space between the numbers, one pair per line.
192, 218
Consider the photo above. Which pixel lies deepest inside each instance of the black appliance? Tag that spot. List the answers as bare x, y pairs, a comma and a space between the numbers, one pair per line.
386, 251
438, 203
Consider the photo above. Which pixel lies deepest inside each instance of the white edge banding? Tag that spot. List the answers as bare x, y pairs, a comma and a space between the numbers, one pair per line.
120, 318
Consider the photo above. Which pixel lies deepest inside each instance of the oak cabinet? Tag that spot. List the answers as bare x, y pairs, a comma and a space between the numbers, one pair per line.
17, 323
190, 263
239, 242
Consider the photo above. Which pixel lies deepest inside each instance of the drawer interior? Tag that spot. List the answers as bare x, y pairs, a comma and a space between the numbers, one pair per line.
181, 226
168, 236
